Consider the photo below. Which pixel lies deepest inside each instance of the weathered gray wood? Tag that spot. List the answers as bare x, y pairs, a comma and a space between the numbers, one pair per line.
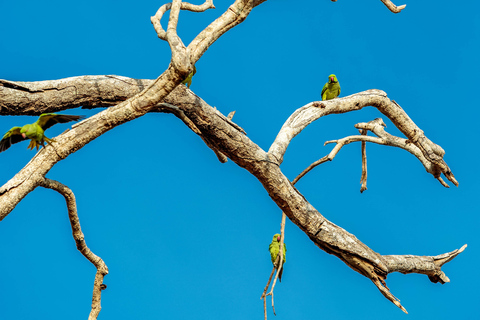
128, 99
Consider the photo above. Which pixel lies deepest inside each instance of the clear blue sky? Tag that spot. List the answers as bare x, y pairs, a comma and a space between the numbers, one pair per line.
186, 237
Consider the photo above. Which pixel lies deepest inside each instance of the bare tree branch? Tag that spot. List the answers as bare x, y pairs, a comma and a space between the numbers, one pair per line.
277, 265
79, 238
384, 138
363, 179
305, 115
156, 19
226, 138
34, 98
392, 7
279, 260
145, 101
429, 265
264, 294
235, 145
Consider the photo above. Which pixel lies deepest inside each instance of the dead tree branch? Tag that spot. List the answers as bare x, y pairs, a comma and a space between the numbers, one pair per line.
138, 105
156, 19
377, 127
395, 9
277, 265
79, 238
234, 144
305, 115
363, 179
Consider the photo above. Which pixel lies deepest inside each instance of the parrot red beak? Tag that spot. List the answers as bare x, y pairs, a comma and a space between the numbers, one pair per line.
23, 135
278, 238
331, 79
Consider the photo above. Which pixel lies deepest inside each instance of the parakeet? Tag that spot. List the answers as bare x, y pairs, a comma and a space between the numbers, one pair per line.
331, 89
188, 80
274, 249
35, 131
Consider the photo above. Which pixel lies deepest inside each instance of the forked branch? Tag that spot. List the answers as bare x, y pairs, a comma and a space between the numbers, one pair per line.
305, 115
79, 238
156, 19
377, 126
234, 144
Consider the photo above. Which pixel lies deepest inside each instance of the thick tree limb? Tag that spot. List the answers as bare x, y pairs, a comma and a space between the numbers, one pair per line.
79, 238
322, 232
34, 98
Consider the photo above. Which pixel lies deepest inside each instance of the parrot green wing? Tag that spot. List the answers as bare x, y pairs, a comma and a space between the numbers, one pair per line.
188, 80
324, 89
12, 136
46, 120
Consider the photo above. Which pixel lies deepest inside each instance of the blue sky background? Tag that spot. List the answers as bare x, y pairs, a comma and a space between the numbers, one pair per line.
186, 237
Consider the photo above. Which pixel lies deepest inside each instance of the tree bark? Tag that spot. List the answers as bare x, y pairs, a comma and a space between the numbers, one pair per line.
221, 134
129, 99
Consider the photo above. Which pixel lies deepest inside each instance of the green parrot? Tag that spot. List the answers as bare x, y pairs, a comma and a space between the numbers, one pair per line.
274, 249
35, 131
188, 80
331, 89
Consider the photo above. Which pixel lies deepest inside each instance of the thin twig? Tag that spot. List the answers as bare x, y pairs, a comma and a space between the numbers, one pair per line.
377, 126
279, 263
363, 179
264, 294
310, 167
79, 238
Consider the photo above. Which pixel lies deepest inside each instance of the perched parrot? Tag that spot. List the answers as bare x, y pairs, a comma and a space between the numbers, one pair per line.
331, 89
274, 249
35, 131
188, 80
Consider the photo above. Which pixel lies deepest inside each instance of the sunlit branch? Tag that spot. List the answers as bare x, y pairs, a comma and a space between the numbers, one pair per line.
156, 19
305, 115
377, 127
277, 265
166, 107
79, 238
392, 7
363, 179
